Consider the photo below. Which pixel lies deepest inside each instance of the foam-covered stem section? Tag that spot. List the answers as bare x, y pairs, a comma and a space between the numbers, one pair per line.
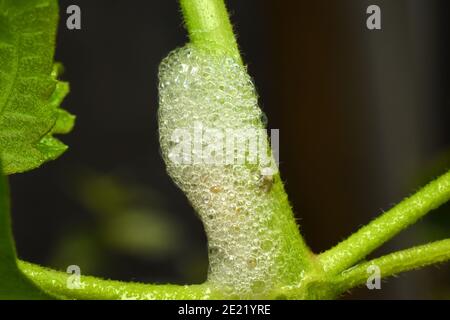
254, 243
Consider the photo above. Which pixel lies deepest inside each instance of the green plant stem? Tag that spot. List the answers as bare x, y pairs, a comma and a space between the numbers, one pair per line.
373, 235
55, 283
209, 26
395, 263
13, 283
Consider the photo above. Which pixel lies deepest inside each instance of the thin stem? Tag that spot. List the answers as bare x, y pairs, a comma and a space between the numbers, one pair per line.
91, 288
13, 284
209, 26
395, 263
370, 237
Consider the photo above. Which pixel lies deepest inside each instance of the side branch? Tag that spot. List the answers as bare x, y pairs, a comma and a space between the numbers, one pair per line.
380, 230
395, 263
65, 286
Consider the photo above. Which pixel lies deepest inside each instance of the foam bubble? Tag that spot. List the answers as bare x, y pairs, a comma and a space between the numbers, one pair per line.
233, 200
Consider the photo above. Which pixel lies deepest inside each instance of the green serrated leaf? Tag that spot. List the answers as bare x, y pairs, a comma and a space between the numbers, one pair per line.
30, 93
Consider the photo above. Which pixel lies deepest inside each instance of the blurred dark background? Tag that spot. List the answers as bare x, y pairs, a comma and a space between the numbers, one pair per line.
363, 118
